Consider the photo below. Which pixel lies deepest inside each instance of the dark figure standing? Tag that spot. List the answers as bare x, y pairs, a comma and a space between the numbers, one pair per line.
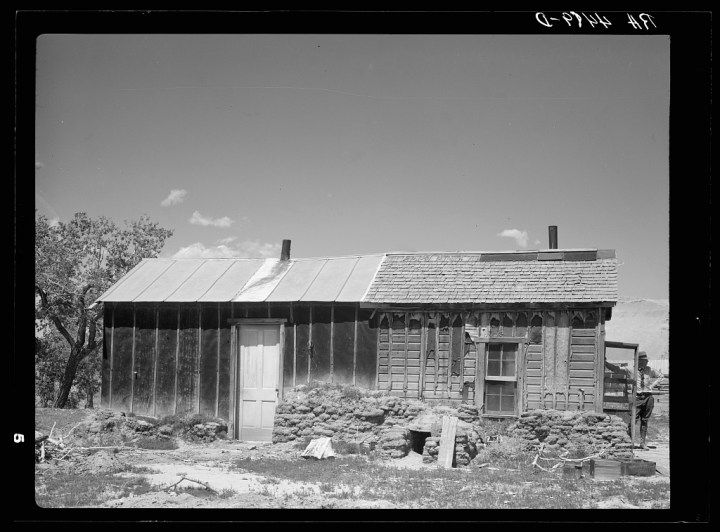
644, 398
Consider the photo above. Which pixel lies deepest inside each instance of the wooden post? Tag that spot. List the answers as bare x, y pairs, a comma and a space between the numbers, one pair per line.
405, 375
543, 339
520, 373
438, 319
451, 330
112, 370
390, 349
446, 454
310, 350
177, 358
332, 340
423, 354
199, 356
633, 408
599, 361
355, 344
132, 365
378, 321
233, 379
554, 395
217, 377
155, 365
292, 319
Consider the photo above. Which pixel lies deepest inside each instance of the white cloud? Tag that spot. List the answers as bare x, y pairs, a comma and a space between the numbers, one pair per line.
227, 240
54, 222
521, 237
245, 249
177, 195
199, 219
39, 165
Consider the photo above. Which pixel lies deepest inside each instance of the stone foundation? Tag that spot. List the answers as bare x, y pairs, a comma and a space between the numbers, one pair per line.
582, 431
392, 425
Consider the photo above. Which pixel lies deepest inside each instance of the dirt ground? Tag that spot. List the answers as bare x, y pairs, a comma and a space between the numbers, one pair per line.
195, 466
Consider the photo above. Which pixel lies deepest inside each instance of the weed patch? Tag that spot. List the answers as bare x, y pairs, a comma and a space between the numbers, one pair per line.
76, 490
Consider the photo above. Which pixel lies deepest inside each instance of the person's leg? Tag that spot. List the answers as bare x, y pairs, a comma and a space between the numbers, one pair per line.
649, 403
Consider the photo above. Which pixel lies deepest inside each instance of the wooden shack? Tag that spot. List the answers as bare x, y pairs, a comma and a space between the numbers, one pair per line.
507, 331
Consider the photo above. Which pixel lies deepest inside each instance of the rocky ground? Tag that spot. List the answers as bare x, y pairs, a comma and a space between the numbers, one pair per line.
202, 471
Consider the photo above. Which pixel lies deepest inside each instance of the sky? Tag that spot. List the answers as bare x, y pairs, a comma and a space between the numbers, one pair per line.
362, 144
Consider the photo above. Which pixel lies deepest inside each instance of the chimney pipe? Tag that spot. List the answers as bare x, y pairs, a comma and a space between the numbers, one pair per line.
552, 230
285, 253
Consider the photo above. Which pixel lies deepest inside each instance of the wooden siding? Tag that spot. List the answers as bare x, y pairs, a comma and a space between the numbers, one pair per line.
366, 350
106, 367
144, 368
166, 359
302, 343
224, 341
186, 399
343, 344
208, 365
321, 346
122, 358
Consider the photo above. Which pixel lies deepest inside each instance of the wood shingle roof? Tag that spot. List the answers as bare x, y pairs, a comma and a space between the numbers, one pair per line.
495, 278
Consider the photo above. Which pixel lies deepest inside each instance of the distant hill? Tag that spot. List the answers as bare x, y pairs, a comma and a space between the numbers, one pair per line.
644, 322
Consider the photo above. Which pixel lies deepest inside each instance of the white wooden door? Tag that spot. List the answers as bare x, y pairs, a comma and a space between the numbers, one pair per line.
258, 381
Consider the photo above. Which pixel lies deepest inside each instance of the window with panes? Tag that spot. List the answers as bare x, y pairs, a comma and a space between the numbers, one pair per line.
501, 378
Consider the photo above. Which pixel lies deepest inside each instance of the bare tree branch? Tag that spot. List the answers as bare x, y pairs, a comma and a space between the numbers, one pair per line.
56, 321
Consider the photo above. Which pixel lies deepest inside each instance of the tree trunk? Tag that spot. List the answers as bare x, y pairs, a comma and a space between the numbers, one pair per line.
89, 400
68, 377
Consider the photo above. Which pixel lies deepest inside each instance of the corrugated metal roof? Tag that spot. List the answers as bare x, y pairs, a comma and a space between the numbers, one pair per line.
232, 281
245, 280
417, 278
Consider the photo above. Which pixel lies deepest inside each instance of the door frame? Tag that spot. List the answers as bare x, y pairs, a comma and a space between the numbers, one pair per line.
235, 326
482, 348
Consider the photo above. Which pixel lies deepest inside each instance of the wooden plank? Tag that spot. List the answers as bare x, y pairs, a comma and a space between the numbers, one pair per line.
145, 359
112, 353
217, 367
344, 338
199, 359
132, 370
332, 338
563, 353
177, 360
583, 382
155, 365
321, 342
583, 340
122, 358
224, 362
423, 354
577, 365
446, 454
549, 346
232, 421
209, 341
600, 360
187, 368
105, 385
584, 332
355, 344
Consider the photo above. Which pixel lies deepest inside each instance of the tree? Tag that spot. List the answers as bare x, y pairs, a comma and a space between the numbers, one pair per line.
77, 261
